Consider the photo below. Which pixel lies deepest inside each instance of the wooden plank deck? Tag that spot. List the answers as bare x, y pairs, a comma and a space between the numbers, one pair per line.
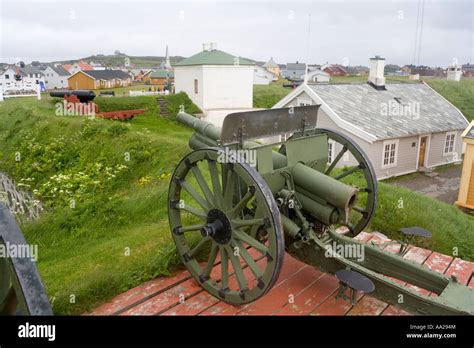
300, 290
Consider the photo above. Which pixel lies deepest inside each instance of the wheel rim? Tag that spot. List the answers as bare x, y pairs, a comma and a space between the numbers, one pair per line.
224, 215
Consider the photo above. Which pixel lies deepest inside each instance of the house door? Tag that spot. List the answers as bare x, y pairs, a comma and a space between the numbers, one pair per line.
421, 155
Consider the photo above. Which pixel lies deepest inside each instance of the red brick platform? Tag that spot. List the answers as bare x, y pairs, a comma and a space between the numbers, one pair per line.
300, 290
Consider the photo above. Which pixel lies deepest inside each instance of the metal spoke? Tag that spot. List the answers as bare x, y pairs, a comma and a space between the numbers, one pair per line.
216, 186
192, 192
336, 160
360, 210
255, 228
210, 261
347, 172
250, 241
192, 210
250, 222
248, 259
224, 267
243, 203
203, 184
229, 190
199, 246
237, 268
190, 228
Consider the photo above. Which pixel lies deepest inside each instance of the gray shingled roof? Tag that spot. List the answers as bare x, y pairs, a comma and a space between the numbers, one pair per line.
295, 66
60, 70
374, 111
107, 74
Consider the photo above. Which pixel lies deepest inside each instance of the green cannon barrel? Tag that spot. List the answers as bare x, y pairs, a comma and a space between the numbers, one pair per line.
325, 198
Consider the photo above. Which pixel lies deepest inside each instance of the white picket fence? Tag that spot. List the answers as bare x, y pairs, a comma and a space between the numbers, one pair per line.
23, 89
145, 93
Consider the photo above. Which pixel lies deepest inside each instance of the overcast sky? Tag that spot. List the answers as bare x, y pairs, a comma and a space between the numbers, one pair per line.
346, 32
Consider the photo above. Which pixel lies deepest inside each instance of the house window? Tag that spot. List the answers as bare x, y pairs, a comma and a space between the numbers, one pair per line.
390, 150
7, 76
449, 143
331, 149
304, 102
196, 91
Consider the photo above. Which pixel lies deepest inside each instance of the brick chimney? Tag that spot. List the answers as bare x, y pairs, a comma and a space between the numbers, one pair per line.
376, 73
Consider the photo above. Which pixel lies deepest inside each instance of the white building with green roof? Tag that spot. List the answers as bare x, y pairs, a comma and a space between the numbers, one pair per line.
214, 79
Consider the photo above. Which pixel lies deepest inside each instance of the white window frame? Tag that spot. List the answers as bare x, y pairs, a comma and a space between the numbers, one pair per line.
332, 150
395, 157
454, 143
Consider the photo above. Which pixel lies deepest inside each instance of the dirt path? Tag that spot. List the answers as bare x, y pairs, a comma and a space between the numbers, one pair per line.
443, 187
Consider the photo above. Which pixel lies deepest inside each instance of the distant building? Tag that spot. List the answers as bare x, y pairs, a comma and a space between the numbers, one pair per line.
317, 76
272, 67
21, 77
98, 79
163, 79
334, 70
78, 66
294, 71
166, 64
55, 77
262, 76
144, 76
402, 127
454, 73
214, 79
468, 70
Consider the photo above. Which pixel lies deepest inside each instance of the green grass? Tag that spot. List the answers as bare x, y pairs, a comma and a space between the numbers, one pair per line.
82, 251
267, 96
460, 94
399, 207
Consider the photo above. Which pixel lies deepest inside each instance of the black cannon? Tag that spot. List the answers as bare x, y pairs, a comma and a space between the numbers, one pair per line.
84, 96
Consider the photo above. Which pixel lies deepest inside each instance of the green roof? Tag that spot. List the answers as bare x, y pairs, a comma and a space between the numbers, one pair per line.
163, 74
214, 57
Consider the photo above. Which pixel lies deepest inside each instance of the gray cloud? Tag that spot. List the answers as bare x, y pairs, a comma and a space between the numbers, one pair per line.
351, 30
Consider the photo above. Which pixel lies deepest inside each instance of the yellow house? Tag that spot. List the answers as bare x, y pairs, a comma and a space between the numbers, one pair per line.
466, 189
272, 67
98, 79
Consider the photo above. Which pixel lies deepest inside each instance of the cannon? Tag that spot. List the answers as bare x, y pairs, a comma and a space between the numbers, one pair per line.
83, 96
236, 204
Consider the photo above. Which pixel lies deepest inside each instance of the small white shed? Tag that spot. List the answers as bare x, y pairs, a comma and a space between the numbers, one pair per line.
214, 79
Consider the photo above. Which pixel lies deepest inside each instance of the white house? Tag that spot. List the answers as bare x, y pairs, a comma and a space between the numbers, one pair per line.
21, 78
403, 127
214, 79
317, 76
262, 76
55, 77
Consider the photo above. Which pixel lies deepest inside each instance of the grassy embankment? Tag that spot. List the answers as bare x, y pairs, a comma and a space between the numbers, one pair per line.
105, 226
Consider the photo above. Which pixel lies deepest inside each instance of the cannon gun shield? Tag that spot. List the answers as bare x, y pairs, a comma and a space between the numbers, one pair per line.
241, 126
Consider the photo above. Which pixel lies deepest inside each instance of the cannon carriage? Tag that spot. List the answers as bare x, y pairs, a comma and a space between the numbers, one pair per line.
236, 204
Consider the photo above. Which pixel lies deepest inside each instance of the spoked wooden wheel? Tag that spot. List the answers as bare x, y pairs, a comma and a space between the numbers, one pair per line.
226, 226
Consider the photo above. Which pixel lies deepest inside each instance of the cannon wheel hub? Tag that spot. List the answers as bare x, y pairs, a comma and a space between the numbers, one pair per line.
218, 227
